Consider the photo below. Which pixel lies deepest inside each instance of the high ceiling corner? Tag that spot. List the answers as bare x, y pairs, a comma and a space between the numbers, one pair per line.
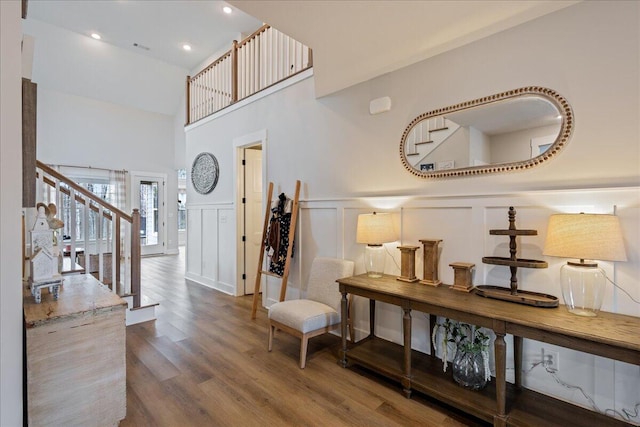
355, 41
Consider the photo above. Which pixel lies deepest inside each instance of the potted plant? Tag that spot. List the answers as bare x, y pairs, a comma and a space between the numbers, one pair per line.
470, 352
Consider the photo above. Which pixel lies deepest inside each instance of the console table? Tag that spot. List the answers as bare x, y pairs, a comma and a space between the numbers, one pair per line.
609, 335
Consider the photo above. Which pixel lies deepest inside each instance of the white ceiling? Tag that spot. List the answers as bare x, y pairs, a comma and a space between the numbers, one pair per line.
161, 25
352, 41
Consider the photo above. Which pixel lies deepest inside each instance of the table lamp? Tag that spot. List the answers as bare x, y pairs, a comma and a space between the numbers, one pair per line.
585, 237
374, 230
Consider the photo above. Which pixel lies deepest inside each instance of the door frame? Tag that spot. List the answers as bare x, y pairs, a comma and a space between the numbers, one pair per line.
239, 145
134, 177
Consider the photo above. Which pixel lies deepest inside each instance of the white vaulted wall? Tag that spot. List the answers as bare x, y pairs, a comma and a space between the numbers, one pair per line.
348, 162
78, 131
11, 319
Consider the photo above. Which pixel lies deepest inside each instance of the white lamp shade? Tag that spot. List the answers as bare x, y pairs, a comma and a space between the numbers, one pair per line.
375, 229
585, 236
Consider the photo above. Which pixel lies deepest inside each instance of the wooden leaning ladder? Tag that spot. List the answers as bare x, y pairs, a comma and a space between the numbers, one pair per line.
287, 262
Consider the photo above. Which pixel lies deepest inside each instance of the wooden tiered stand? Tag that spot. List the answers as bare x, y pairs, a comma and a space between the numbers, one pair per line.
292, 229
512, 294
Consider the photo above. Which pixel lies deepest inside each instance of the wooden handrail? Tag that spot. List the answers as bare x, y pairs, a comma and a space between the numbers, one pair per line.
83, 191
79, 198
253, 35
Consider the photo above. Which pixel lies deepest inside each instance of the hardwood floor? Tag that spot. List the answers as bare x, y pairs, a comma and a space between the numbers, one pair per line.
203, 362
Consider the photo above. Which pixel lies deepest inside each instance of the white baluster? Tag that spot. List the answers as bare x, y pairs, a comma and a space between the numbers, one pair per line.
99, 236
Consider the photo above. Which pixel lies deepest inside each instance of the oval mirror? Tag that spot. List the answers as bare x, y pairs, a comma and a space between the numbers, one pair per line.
508, 131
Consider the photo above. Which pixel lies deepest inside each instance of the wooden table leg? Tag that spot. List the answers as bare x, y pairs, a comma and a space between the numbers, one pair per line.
372, 317
517, 360
343, 328
406, 331
500, 349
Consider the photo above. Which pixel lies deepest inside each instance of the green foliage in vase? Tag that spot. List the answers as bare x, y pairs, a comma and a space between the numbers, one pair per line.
464, 337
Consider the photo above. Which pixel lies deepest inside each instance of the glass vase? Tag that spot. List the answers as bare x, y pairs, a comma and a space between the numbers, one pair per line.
469, 369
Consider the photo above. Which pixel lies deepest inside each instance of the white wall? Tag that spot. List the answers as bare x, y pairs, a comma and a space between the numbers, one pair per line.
78, 131
10, 202
515, 146
589, 53
75, 63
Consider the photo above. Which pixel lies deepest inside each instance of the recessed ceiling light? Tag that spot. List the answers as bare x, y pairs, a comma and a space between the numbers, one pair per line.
186, 47
227, 9
96, 36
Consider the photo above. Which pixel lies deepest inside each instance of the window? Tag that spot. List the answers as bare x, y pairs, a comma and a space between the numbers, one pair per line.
98, 183
182, 209
102, 190
182, 199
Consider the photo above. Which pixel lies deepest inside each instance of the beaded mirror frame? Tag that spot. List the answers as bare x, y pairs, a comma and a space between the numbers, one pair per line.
566, 130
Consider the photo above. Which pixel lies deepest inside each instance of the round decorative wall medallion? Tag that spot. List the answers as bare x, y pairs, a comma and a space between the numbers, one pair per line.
204, 173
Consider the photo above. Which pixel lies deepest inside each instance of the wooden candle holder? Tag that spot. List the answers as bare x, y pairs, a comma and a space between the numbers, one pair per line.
430, 265
408, 264
462, 276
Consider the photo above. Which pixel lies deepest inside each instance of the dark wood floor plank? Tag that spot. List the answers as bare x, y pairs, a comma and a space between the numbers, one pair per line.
203, 362
157, 364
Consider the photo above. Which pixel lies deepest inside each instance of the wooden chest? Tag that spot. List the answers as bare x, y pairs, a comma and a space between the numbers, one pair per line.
75, 355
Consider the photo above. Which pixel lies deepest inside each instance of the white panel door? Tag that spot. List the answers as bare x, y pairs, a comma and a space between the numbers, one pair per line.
254, 216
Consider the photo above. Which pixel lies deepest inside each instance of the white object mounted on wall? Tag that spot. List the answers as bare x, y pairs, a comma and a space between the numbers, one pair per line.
204, 173
380, 105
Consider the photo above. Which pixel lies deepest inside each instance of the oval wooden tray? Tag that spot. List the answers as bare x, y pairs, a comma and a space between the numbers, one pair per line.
536, 299
520, 262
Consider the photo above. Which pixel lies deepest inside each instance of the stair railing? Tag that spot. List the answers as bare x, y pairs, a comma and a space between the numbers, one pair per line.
125, 253
261, 60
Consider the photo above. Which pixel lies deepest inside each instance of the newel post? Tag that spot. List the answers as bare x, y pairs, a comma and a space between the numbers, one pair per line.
135, 257
234, 72
188, 101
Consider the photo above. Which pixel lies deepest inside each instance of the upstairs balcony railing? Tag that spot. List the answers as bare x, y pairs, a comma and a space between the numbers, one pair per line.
261, 60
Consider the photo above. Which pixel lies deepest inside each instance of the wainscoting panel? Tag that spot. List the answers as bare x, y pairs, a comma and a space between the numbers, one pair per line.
210, 240
194, 242
211, 232
318, 235
226, 259
453, 225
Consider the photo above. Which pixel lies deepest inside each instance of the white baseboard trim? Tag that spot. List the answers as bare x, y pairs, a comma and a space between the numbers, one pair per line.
213, 284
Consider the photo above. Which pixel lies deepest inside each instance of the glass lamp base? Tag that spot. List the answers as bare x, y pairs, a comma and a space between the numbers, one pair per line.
374, 257
583, 288
583, 312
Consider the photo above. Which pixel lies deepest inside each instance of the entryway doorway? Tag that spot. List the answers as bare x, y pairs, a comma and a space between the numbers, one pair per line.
250, 176
148, 195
